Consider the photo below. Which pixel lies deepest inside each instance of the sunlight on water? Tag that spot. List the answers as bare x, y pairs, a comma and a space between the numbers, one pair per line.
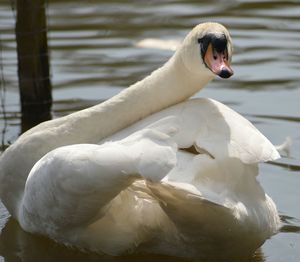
94, 56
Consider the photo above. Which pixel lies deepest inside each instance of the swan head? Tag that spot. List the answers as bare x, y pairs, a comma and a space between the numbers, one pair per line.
208, 48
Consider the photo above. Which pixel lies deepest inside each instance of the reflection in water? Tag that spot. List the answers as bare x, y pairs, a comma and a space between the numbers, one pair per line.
16, 244
288, 166
290, 224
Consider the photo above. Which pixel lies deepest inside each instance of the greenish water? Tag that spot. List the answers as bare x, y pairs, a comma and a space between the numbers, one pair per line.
93, 57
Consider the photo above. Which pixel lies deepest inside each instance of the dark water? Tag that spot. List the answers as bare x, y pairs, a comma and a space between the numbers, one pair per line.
93, 56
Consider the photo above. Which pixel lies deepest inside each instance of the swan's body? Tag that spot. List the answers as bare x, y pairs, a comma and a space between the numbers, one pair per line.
182, 181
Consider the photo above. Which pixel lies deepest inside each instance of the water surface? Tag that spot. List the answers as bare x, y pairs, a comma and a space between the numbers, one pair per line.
93, 56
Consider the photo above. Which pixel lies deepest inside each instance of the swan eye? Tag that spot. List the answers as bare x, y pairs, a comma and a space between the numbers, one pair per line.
218, 42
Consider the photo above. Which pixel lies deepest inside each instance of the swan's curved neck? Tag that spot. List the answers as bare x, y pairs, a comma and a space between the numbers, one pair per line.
166, 86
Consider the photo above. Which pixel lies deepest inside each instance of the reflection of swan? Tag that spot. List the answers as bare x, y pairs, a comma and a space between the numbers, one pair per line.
17, 245
180, 182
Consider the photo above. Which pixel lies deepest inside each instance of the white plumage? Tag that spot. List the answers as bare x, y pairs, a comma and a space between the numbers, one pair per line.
143, 172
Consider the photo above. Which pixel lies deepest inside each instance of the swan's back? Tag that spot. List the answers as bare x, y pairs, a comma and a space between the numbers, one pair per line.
211, 127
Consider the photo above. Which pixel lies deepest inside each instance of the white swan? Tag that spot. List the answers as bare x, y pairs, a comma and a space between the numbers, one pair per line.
181, 181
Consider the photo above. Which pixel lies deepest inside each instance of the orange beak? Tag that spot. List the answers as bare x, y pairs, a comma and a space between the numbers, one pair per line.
218, 62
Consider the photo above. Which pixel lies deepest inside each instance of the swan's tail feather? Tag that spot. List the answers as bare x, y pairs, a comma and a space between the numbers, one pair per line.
285, 147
